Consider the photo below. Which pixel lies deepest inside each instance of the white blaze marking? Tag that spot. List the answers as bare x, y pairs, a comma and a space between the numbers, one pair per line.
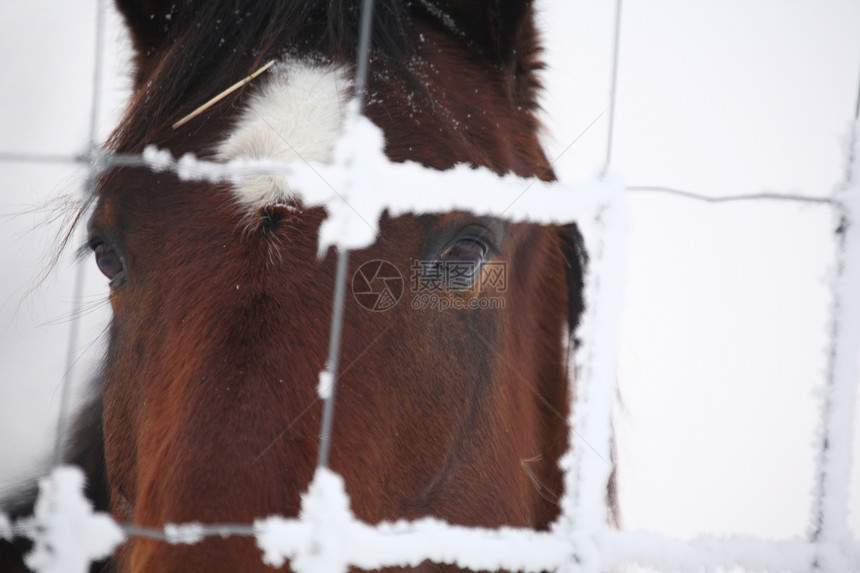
296, 116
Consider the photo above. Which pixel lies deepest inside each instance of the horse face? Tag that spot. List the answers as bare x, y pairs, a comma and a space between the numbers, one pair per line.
452, 399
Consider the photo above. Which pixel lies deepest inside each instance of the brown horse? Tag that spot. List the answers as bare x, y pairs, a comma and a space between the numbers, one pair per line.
207, 407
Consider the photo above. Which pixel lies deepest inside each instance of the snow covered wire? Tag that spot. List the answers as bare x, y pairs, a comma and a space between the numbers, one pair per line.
588, 463
371, 184
830, 525
67, 535
326, 537
709, 553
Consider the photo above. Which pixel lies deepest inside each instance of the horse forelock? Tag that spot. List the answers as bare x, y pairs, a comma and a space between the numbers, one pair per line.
296, 115
196, 49
207, 46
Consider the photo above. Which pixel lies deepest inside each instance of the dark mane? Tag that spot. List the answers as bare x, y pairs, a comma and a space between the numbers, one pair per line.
196, 49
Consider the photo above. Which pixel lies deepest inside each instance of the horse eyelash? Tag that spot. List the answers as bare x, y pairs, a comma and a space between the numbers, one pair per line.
84, 251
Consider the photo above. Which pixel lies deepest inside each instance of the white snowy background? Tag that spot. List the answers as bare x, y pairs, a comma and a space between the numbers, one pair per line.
724, 341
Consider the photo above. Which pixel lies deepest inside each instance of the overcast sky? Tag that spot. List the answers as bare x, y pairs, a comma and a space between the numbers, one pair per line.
726, 313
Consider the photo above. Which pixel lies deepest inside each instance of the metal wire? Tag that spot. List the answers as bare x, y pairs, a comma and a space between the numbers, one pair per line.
732, 198
14, 157
80, 271
343, 256
201, 531
616, 48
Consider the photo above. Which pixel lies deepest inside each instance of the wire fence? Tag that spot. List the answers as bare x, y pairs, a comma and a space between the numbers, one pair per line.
326, 536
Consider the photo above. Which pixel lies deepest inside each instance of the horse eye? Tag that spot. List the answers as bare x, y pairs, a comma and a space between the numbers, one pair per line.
466, 251
462, 261
109, 262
